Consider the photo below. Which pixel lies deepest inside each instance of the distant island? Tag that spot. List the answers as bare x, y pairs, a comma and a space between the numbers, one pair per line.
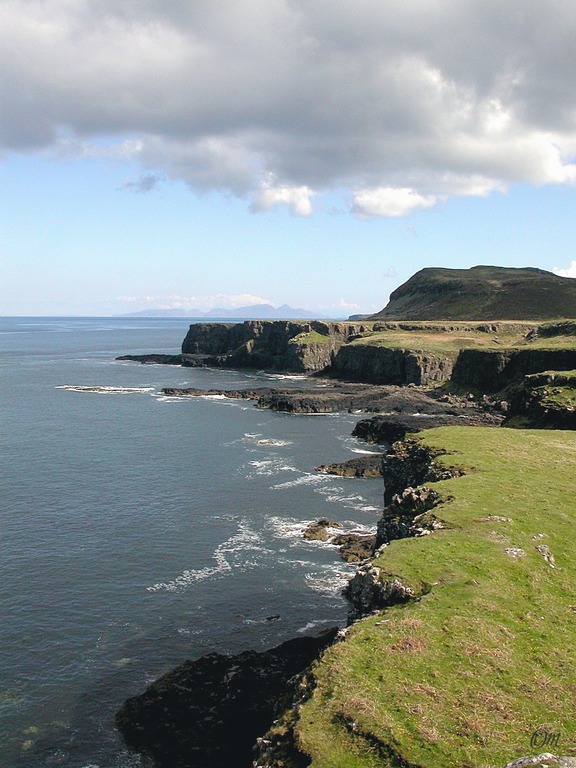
250, 312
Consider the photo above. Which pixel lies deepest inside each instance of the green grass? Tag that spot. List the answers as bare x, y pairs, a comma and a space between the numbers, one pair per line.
311, 337
465, 675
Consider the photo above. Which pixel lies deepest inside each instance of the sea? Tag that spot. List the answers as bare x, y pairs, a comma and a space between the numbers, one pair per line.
139, 530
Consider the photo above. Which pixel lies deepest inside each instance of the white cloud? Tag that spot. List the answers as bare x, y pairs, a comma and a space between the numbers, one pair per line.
388, 201
202, 302
271, 194
405, 102
568, 272
342, 304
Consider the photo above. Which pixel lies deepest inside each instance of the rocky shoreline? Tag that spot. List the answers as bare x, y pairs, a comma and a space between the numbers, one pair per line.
221, 711
252, 700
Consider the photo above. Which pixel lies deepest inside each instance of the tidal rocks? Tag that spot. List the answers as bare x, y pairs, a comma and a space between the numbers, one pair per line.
319, 531
209, 713
366, 466
354, 547
153, 359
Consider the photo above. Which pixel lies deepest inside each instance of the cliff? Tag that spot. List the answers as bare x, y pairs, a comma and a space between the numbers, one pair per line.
458, 654
492, 370
298, 347
482, 293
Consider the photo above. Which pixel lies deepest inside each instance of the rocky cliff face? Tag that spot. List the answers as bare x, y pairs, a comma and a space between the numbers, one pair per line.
546, 400
273, 345
492, 370
380, 365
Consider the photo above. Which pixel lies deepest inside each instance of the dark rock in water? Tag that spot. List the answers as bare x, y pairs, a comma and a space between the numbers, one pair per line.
152, 359
319, 531
209, 713
355, 547
366, 466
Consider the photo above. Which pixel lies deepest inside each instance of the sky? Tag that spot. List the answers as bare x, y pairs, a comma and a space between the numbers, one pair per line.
221, 153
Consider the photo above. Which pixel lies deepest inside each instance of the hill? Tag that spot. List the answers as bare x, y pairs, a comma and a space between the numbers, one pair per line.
482, 293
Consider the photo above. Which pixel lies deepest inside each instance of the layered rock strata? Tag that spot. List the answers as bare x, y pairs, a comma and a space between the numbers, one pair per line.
272, 345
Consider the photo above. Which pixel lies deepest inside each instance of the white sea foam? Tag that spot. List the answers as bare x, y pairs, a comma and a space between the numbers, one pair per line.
269, 467
104, 390
329, 582
337, 495
228, 556
271, 441
306, 479
314, 624
286, 527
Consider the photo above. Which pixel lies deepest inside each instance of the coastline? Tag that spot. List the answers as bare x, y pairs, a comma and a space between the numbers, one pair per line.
408, 515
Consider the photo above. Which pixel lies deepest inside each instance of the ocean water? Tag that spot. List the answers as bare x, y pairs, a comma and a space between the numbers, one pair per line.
137, 530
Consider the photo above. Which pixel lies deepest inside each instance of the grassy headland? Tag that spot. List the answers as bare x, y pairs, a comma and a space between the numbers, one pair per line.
464, 675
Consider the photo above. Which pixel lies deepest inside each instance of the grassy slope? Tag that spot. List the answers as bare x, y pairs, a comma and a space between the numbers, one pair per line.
465, 675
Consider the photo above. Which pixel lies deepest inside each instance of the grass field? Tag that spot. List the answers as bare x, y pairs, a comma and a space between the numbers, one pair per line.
486, 657
429, 338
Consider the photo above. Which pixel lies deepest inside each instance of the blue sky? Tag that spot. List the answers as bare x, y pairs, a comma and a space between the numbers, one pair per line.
314, 154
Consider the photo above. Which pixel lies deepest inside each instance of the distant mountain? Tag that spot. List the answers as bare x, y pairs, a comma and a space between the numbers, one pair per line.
252, 312
482, 293
164, 313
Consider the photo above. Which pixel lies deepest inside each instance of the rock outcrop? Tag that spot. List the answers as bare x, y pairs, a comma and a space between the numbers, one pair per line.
493, 370
381, 365
409, 464
408, 515
545, 400
299, 347
371, 589
209, 713
366, 466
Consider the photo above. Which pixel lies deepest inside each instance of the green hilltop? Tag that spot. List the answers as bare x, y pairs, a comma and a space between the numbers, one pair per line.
482, 293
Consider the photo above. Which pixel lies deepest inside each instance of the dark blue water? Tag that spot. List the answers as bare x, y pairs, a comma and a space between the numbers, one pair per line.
137, 531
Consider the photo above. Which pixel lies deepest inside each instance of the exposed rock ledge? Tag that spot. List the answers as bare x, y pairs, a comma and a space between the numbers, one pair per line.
209, 713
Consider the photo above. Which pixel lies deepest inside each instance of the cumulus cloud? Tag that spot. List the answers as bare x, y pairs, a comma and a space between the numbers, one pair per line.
568, 272
271, 194
388, 201
401, 103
